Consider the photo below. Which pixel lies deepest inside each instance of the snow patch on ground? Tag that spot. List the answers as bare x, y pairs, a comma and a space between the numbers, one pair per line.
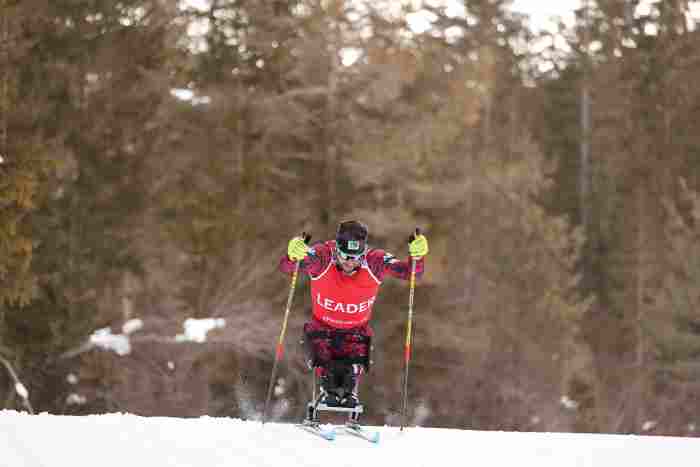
196, 330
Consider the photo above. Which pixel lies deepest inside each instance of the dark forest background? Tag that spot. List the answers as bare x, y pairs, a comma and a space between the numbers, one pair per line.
556, 179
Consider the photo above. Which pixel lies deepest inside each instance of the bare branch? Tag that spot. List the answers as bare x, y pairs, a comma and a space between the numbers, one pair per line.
20, 389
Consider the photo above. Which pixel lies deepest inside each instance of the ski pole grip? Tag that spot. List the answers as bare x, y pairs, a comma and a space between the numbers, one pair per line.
306, 236
414, 235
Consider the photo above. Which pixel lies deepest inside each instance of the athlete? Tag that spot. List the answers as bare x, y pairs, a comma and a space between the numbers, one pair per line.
345, 277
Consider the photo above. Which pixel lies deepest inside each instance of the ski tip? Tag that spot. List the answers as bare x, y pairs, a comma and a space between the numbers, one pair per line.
328, 431
325, 433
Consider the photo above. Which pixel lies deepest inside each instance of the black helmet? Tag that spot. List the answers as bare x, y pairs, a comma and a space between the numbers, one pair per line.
351, 239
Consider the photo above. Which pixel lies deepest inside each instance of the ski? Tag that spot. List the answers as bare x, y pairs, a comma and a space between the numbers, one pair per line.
315, 428
362, 432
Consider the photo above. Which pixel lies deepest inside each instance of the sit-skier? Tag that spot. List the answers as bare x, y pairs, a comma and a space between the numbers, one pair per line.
345, 277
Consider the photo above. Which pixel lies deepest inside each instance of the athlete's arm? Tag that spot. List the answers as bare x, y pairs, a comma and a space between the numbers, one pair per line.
314, 264
382, 263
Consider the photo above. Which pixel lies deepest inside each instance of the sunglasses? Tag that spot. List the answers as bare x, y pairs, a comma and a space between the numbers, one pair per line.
348, 257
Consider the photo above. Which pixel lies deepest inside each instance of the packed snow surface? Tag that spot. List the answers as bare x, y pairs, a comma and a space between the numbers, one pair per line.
123, 440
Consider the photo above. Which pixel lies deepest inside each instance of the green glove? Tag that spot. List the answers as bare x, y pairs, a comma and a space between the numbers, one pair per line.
418, 246
297, 249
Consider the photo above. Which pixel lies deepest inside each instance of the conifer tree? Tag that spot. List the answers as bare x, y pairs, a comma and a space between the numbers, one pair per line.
22, 167
639, 64
673, 321
88, 83
458, 118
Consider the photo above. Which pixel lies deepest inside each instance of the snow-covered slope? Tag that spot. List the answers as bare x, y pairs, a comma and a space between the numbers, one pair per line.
122, 440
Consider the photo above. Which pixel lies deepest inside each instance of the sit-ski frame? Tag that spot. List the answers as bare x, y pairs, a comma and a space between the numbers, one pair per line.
314, 407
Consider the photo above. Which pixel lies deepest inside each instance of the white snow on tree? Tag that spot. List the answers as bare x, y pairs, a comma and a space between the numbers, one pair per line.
104, 339
132, 326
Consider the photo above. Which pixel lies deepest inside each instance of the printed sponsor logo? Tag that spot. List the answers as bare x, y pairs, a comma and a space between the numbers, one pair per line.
342, 322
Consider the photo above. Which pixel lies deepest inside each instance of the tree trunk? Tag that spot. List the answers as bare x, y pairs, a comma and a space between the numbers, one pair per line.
330, 134
5, 82
585, 182
640, 284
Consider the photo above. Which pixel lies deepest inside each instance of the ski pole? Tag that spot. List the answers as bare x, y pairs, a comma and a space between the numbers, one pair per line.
407, 347
280, 342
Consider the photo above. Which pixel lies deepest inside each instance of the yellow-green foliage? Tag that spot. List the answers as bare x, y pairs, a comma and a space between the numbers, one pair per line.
18, 190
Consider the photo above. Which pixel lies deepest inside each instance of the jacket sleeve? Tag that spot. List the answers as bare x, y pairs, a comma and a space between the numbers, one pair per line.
314, 264
382, 263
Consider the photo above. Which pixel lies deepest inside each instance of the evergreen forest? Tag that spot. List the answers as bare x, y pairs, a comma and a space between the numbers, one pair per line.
156, 156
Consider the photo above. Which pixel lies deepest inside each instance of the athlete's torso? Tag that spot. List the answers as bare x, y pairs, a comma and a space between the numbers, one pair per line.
341, 300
